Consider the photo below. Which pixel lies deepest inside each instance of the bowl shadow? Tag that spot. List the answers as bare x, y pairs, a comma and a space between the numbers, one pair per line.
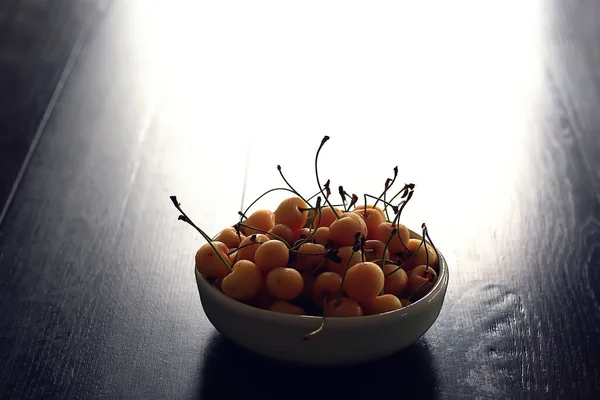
231, 372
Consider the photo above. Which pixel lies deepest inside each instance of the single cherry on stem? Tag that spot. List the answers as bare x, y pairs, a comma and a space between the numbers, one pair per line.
183, 217
364, 281
281, 232
326, 217
248, 246
360, 208
260, 221
270, 234
230, 237
421, 254
372, 219
343, 231
396, 280
309, 256
244, 282
394, 235
401, 265
289, 213
313, 213
209, 263
270, 255
321, 235
376, 251
326, 285
421, 281
408, 263
311, 230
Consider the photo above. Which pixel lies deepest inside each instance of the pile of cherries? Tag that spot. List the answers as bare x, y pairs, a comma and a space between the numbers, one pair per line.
342, 260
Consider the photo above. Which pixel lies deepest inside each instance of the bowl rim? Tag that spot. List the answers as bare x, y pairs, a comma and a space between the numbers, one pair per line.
441, 283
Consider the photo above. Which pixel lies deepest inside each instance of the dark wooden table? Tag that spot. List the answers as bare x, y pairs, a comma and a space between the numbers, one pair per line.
109, 107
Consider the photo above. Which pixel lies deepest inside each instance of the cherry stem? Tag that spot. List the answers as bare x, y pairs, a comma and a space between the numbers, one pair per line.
298, 243
326, 186
407, 260
265, 232
385, 260
318, 267
237, 230
312, 223
387, 204
246, 245
362, 248
354, 247
388, 184
397, 217
409, 187
290, 186
426, 233
315, 207
353, 201
421, 285
322, 326
339, 296
243, 214
185, 218
343, 196
385, 207
325, 139
425, 244
311, 226
387, 244
263, 195
314, 195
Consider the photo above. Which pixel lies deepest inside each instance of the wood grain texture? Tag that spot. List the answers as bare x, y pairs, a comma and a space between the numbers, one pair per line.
37, 40
498, 128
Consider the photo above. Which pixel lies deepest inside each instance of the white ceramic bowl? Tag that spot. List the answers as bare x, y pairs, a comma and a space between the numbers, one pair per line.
344, 341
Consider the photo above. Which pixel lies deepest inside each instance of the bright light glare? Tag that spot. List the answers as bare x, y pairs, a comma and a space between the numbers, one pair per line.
413, 84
